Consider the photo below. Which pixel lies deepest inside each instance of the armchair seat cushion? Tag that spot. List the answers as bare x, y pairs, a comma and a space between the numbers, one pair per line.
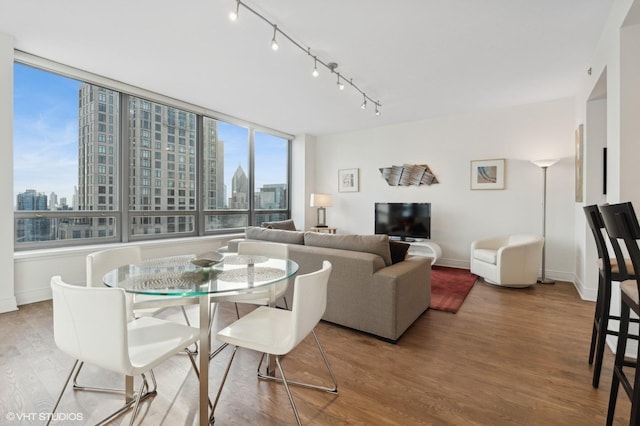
486, 255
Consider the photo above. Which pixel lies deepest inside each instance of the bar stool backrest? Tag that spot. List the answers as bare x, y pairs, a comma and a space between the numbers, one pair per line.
596, 224
621, 223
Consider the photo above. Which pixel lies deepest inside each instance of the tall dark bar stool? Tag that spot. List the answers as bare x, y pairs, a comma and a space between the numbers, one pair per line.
621, 222
608, 270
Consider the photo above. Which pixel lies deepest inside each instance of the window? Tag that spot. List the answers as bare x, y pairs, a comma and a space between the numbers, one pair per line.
65, 180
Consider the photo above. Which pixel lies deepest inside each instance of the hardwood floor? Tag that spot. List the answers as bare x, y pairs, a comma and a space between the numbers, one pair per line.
508, 357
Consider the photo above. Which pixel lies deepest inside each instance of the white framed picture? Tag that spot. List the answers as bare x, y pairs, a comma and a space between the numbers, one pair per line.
487, 174
348, 180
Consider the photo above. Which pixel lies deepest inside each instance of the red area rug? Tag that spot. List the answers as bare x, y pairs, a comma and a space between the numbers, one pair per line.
449, 287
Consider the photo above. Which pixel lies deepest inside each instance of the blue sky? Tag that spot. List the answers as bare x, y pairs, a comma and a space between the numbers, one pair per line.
46, 138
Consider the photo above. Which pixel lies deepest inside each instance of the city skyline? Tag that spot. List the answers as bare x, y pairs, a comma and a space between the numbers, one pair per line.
46, 138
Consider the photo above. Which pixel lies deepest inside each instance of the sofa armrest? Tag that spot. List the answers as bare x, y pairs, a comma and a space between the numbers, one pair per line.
408, 283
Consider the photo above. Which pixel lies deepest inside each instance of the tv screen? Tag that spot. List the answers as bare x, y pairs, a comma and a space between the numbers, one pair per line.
406, 221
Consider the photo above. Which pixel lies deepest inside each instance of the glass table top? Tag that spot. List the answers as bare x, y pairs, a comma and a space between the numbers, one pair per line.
181, 275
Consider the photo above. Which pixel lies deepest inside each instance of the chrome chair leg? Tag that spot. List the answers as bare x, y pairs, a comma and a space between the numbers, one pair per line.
333, 390
66, 383
224, 379
286, 387
78, 387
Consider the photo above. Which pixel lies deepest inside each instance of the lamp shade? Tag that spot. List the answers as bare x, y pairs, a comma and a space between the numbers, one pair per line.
544, 163
321, 200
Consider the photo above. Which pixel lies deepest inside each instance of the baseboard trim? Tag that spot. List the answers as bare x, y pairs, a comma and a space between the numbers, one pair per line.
33, 296
8, 304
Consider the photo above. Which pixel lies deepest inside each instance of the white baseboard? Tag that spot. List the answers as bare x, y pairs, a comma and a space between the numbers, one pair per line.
33, 296
8, 304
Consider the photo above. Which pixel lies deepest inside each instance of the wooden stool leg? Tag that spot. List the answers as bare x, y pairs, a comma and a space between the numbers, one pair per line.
603, 327
617, 367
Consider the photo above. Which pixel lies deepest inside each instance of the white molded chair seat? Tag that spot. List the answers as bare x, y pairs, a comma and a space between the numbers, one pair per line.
91, 324
278, 331
511, 260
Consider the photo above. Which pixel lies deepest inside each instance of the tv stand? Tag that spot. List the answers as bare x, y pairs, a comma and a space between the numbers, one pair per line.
425, 248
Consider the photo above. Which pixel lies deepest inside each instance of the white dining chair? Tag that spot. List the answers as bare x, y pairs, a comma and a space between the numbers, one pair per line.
101, 262
91, 324
258, 297
278, 331
265, 296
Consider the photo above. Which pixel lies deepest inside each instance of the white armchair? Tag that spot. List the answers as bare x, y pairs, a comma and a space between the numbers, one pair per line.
510, 261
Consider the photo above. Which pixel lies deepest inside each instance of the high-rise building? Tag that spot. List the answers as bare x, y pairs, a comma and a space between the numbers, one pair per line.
32, 229
162, 160
53, 201
239, 190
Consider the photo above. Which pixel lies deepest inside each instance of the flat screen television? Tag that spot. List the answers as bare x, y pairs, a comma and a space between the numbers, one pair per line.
405, 221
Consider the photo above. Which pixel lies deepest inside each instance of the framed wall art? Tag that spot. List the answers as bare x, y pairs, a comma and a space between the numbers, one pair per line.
348, 180
487, 174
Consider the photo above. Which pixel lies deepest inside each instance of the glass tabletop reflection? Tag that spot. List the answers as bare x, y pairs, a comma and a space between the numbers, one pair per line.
185, 275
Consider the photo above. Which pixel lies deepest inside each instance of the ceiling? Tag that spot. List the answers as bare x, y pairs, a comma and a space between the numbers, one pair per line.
419, 58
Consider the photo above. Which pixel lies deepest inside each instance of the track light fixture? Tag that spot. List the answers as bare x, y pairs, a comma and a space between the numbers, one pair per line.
233, 15
274, 42
331, 66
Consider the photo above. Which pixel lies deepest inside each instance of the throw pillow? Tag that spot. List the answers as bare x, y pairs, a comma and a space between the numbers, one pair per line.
374, 244
398, 251
282, 224
275, 235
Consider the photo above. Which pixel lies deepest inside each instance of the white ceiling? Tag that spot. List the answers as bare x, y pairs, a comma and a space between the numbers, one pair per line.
420, 58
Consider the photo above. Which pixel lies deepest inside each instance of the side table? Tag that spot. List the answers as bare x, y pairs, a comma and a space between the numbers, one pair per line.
327, 229
425, 248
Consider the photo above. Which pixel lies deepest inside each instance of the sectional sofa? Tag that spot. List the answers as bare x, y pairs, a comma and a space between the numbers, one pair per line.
368, 290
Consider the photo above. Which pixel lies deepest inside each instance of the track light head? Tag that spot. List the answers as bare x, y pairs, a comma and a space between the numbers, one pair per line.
274, 42
315, 72
340, 84
233, 15
377, 111
364, 102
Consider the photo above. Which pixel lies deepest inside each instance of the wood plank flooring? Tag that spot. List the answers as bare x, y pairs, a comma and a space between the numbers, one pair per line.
508, 357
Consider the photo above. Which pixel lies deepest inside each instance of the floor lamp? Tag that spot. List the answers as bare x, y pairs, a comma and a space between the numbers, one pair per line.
544, 165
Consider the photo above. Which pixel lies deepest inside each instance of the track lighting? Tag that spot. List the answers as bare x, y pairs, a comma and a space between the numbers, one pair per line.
331, 66
274, 42
233, 15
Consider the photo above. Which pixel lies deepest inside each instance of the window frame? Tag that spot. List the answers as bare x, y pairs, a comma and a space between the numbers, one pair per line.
123, 216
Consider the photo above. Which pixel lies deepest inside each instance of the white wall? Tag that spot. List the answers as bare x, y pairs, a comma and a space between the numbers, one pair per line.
7, 298
448, 144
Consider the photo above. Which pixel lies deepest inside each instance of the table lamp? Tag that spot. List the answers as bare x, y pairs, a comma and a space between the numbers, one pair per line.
321, 201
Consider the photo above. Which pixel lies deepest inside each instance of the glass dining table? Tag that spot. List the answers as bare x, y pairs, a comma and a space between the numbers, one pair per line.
207, 278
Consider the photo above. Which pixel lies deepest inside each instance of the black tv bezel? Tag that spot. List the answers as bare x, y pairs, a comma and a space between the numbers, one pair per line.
398, 236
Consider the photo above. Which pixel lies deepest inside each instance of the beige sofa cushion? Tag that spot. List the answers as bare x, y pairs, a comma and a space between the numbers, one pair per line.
274, 235
374, 244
